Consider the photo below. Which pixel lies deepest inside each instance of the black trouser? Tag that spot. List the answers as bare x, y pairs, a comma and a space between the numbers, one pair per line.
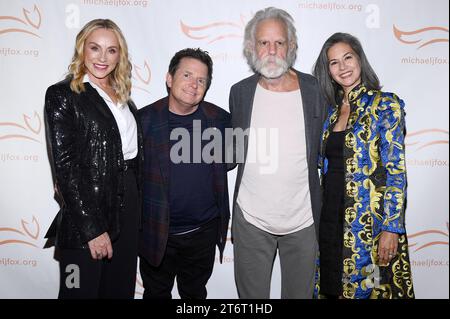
114, 278
189, 258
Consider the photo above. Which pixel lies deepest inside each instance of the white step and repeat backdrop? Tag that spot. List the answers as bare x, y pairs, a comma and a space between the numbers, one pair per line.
405, 40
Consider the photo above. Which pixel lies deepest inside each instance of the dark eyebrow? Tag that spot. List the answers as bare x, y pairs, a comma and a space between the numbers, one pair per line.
346, 54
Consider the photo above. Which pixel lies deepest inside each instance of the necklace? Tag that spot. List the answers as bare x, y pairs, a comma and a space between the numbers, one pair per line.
345, 103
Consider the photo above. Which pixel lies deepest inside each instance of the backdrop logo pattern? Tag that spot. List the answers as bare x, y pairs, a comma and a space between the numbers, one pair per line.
29, 19
427, 238
142, 76
215, 31
31, 125
426, 138
422, 37
29, 233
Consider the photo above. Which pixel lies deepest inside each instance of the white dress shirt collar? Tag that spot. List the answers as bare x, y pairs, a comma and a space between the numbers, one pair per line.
101, 92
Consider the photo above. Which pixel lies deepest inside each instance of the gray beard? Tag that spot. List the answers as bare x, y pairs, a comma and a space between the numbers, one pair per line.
273, 71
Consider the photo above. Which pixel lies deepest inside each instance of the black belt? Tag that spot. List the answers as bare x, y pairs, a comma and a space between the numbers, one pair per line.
129, 164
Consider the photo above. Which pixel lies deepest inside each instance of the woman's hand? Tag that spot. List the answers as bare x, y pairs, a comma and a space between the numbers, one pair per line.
387, 247
101, 247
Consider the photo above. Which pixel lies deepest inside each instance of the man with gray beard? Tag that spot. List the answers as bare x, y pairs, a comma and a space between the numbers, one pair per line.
276, 211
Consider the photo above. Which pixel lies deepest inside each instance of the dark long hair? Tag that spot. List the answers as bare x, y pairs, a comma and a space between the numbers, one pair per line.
332, 90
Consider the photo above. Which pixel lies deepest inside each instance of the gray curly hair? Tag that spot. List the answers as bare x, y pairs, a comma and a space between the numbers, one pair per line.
250, 33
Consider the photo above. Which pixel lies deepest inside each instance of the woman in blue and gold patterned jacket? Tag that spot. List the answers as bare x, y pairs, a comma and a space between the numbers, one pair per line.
362, 237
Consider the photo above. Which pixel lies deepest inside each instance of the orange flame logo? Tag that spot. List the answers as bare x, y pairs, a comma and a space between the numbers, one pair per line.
423, 241
142, 75
29, 19
215, 31
31, 125
426, 36
430, 137
29, 234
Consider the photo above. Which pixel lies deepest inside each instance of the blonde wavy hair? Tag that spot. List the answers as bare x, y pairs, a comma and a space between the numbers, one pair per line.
120, 77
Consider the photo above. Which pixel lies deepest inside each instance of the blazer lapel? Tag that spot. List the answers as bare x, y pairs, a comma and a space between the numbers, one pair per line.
160, 132
100, 105
248, 97
98, 101
308, 93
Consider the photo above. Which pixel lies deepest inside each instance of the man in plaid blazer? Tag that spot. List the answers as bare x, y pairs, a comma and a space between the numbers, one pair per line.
185, 198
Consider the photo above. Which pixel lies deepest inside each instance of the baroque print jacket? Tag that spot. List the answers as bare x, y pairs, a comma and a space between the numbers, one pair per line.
375, 194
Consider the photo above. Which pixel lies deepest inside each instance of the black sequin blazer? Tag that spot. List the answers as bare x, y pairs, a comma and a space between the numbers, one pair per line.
85, 152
